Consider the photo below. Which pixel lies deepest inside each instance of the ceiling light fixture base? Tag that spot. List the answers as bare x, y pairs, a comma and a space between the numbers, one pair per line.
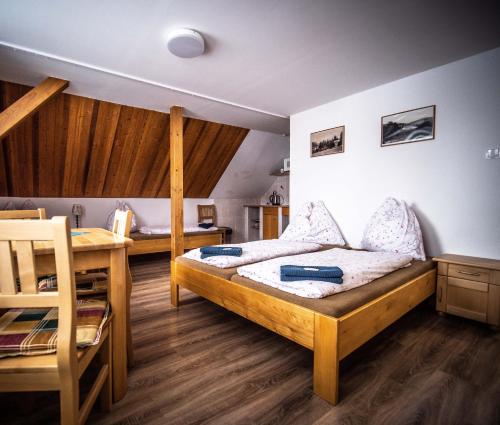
185, 43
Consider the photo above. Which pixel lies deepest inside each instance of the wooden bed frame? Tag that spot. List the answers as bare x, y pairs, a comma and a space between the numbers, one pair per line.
191, 241
330, 338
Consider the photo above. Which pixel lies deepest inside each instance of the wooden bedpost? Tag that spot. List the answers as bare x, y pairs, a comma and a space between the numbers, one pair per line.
176, 195
326, 358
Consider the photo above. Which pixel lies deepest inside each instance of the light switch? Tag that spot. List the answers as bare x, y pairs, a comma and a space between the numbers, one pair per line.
493, 153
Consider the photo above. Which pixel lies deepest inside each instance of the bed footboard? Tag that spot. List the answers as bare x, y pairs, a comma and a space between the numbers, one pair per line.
287, 319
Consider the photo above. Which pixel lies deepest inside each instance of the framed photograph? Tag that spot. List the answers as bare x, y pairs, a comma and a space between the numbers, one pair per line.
415, 125
327, 142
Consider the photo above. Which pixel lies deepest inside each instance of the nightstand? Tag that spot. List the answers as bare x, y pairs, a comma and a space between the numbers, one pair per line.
469, 287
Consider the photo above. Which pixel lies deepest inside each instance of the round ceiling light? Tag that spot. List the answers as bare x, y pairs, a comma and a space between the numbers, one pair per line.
185, 43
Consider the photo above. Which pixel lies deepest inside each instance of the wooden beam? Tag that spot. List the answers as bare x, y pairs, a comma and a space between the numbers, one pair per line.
176, 181
23, 108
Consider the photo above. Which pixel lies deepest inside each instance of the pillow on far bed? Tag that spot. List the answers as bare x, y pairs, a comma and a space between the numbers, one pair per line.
313, 223
394, 228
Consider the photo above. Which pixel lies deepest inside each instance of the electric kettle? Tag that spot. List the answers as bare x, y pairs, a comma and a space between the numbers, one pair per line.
275, 199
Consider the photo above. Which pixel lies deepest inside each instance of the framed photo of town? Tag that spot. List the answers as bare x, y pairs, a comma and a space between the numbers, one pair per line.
328, 142
415, 125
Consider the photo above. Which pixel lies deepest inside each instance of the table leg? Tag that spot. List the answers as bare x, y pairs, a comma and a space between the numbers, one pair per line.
117, 293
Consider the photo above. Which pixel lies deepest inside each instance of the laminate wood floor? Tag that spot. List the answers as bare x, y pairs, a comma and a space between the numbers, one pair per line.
201, 364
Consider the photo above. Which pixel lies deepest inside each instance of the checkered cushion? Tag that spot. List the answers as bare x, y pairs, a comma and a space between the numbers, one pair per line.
33, 331
86, 284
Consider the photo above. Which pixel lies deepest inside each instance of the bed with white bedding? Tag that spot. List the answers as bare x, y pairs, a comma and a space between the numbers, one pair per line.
333, 326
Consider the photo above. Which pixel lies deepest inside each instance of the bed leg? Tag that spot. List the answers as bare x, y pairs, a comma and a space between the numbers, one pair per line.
174, 288
326, 358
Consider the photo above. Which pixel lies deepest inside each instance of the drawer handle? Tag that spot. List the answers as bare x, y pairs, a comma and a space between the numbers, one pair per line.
469, 273
440, 297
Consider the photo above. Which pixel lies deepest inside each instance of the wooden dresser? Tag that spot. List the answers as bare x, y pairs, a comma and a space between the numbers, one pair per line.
265, 221
271, 221
469, 287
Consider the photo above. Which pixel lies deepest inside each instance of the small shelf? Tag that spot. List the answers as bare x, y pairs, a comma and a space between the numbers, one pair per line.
266, 206
279, 174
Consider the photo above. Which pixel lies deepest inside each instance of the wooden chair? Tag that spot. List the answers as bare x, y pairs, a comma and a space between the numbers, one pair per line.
50, 372
23, 214
122, 223
207, 212
121, 226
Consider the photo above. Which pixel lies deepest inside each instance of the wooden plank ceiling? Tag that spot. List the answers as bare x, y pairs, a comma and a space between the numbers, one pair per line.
80, 147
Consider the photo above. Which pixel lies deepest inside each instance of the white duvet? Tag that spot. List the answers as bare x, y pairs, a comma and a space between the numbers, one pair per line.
359, 267
254, 252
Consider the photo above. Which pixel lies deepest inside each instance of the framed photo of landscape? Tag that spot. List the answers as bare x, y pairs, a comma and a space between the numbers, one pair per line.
415, 125
328, 142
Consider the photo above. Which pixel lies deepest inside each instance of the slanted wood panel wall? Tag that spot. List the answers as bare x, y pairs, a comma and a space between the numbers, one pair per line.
80, 147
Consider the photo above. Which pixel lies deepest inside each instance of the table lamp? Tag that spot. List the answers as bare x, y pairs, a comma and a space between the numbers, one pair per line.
77, 211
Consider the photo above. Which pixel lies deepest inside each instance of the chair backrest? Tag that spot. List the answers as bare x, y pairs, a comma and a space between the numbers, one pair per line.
122, 223
23, 214
206, 212
17, 259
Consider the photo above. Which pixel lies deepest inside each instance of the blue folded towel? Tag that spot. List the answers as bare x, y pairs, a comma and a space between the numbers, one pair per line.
209, 251
205, 225
286, 278
311, 271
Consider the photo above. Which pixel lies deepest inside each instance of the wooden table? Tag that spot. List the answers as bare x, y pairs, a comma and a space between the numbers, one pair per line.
100, 249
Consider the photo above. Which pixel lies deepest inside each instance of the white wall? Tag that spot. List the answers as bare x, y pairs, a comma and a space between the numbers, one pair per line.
149, 211
230, 213
248, 173
282, 186
247, 178
455, 191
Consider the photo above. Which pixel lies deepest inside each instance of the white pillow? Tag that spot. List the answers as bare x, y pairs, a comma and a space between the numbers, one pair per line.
313, 223
394, 228
28, 205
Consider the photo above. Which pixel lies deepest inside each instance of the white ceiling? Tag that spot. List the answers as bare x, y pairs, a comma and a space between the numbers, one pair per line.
272, 58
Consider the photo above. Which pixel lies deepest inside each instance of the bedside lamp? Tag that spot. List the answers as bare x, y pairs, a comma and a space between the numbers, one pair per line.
77, 211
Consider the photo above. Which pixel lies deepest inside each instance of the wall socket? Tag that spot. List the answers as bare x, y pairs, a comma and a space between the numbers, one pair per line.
493, 153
